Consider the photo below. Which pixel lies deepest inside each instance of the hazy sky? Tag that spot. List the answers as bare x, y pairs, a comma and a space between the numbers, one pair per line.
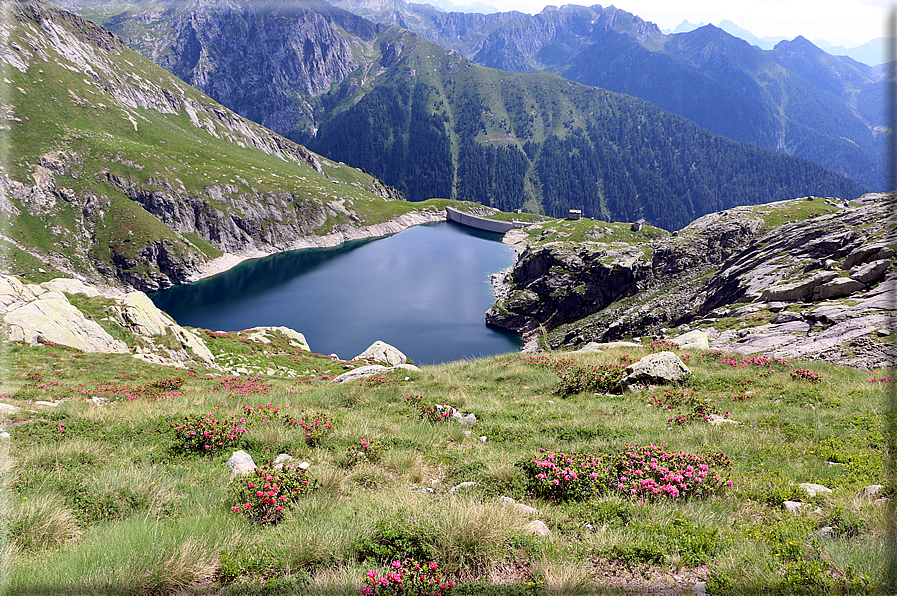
841, 22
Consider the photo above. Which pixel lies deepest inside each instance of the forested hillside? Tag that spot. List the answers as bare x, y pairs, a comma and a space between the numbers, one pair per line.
433, 124
794, 99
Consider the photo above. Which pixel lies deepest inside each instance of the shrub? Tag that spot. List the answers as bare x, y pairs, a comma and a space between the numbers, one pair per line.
208, 433
649, 473
597, 379
315, 424
397, 538
408, 577
436, 414
564, 477
366, 450
805, 373
266, 494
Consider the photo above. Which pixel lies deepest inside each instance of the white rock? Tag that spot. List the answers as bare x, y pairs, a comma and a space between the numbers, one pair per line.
814, 489
537, 528
519, 506
693, 340
47, 404
304, 465
462, 485
9, 409
792, 505
4, 435
241, 462
873, 490
280, 460
380, 351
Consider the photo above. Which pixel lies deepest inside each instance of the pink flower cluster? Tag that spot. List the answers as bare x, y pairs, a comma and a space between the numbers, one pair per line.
407, 578
242, 386
435, 414
804, 373
565, 476
207, 433
650, 473
880, 380
266, 495
315, 424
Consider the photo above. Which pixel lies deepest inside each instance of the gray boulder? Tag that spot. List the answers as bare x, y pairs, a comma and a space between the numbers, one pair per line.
693, 340
241, 463
661, 368
362, 372
537, 528
840, 287
870, 252
786, 316
871, 272
814, 489
380, 351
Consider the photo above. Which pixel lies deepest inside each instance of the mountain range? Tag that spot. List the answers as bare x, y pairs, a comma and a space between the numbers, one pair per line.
795, 99
431, 122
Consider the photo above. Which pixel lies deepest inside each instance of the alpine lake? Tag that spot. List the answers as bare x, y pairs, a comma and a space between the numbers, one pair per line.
424, 290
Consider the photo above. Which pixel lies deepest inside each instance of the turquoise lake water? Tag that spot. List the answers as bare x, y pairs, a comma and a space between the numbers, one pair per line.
425, 291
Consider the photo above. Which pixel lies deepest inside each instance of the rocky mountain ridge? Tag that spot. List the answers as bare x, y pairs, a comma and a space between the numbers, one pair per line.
794, 98
431, 123
807, 277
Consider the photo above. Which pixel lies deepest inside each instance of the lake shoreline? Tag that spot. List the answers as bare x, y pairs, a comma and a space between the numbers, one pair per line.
228, 261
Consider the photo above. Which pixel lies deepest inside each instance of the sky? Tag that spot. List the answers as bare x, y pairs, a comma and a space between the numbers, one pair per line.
847, 23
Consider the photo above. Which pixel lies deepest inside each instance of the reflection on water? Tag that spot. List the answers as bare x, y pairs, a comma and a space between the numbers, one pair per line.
425, 291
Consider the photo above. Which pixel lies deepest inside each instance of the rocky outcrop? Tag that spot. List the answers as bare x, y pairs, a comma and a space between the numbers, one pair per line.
820, 286
382, 352
37, 314
43, 314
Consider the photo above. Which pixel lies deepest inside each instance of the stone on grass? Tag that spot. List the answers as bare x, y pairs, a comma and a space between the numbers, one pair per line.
661, 368
717, 419
518, 506
241, 463
362, 372
693, 340
792, 505
380, 351
467, 484
280, 460
537, 528
873, 490
9, 409
4, 435
814, 489
825, 532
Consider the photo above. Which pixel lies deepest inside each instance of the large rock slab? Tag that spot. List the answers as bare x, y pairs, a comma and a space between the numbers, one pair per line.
871, 272
70, 286
839, 288
662, 368
295, 338
797, 291
870, 252
51, 318
362, 372
382, 352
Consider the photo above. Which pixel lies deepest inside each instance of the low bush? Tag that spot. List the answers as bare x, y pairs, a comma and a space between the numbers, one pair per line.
408, 577
397, 538
564, 477
265, 495
650, 473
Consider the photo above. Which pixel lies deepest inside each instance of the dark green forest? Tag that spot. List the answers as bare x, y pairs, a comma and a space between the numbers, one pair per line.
632, 161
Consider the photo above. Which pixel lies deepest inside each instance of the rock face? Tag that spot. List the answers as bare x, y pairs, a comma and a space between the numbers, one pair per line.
42, 313
33, 314
593, 291
662, 368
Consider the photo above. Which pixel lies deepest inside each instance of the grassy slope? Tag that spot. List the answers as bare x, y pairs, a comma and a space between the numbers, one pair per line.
59, 108
111, 505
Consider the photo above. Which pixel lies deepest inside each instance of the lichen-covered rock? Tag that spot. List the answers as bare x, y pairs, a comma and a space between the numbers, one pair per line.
839, 288
49, 317
382, 352
662, 368
241, 463
871, 272
798, 291
693, 340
